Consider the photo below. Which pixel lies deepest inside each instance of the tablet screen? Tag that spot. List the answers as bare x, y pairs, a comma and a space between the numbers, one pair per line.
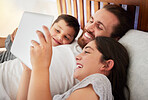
26, 32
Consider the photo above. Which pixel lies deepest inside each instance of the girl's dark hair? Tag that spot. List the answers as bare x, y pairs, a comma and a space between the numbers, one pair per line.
125, 22
71, 21
112, 49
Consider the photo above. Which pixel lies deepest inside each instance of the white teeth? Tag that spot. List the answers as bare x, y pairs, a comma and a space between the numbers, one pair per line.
86, 34
79, 66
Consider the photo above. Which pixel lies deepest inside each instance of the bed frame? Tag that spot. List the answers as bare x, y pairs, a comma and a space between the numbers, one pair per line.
71, 7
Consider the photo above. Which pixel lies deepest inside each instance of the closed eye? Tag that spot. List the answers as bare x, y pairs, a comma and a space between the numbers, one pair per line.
57, 30
86, 52
91, 20
99, 27
88, 49
66, 37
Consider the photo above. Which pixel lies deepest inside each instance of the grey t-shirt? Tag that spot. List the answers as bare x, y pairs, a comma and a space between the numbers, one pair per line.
7, 55
100, 84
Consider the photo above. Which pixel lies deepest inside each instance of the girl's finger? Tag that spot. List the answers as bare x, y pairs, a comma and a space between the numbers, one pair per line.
34, 43
41, 37
31, 50
47, 34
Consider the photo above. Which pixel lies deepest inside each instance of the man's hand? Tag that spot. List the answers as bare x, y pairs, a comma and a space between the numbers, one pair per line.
41, 53
13, 34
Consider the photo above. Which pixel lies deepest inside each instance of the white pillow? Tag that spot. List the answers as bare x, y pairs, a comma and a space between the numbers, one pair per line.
136, 43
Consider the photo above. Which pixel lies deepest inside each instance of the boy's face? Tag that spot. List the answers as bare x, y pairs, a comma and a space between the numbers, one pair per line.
61, 33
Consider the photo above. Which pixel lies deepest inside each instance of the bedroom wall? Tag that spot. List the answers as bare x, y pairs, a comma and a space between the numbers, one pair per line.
11, 12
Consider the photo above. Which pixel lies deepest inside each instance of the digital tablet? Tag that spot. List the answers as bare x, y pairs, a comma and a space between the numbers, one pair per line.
26, 32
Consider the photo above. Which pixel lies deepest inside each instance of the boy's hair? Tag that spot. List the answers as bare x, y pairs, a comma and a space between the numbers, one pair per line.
71, 21
124, 18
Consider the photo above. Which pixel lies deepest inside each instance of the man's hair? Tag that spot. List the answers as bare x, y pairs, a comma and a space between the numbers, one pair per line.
124, 18
111, 49
71, 21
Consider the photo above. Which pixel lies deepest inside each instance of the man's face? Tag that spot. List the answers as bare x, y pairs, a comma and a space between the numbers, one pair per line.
101, 24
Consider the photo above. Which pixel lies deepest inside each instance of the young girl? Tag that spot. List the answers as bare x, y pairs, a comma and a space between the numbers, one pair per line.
101, 69
63, 31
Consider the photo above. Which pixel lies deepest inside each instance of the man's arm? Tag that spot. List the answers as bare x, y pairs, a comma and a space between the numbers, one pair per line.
2, 39
2, 42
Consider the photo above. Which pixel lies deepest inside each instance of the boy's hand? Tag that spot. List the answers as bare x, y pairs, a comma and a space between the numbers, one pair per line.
41, 53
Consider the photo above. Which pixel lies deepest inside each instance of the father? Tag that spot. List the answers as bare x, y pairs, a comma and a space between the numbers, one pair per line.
111, 21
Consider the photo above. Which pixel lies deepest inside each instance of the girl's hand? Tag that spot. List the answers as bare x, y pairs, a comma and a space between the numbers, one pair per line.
41, 53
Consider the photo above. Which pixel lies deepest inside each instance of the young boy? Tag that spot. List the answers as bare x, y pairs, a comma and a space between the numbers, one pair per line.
63, 31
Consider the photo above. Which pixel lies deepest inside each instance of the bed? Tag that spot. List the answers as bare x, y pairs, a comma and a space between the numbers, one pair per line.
135, 40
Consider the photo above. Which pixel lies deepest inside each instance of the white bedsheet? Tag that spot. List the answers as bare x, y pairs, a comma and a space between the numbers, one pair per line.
10, 73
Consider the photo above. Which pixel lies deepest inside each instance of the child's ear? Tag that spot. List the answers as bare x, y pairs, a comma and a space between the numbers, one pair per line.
108, 65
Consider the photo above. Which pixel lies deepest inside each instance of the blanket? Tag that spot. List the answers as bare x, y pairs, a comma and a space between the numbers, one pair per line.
10, 73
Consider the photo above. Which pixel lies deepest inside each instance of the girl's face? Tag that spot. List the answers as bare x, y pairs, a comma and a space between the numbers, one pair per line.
88, 62
61, 33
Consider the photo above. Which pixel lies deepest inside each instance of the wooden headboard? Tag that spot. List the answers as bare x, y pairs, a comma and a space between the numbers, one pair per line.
76, 8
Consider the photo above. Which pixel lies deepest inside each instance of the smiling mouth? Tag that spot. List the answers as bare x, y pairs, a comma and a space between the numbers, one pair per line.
57, 41
79, 66
88, 36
